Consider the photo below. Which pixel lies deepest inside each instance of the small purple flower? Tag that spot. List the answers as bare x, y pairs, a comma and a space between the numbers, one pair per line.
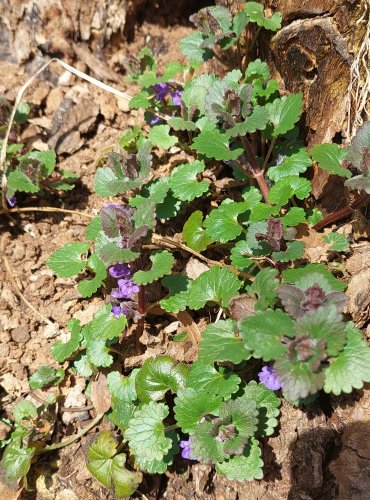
118, 311
269, 379
11, 201
186, 449
126, 289
119, 271
161, 90
176, 97
154, 120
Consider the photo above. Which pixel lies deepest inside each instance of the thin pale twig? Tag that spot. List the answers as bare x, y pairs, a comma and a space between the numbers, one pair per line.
46, 209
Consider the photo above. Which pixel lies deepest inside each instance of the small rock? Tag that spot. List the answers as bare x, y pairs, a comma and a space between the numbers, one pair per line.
21, 334
18, 251
50, 331
53, 100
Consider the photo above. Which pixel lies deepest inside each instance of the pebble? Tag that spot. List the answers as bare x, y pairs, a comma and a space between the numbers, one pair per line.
21, 334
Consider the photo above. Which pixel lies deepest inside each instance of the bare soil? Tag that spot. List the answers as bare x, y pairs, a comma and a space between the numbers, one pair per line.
318, 453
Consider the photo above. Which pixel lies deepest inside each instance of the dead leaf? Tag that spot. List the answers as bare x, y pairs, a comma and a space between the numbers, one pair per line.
358, 292
242, 306
190, 326
195, 268
100, 395
316, 250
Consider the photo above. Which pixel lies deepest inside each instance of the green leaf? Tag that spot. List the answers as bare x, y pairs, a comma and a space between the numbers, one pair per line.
314, 216
293, 276
109, 468
244, 467
330, 157
46, 158
298, 379
293, 217
205, 378
338, 242
267, 404
262, 333
193, 233
351, 368
178, 123
257, 70
284, 112
196, 90
294, 251
98, 353
63, 350
146, 436
24, 410
110, 253
160, 136
214, 144
190, 46
83, 366
184, 182
162, 263
215, 285
242, 413
192, 405
295, 163
105, 326
204, 446
257, 120
16, 462
22, 112
104, 179
220, 343
178, 286
255, 13
129, 136
45, 375
88, 287
140, 100
18, 181
123, 392
93, 229
159, 375
66, 261
237, 258
287, 187
264, 287
222, 223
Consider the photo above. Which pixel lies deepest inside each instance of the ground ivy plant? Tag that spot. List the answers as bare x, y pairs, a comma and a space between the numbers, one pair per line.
277, 320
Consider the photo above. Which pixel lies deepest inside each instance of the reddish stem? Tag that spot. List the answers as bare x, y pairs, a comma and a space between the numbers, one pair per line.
256, 171
363, 200
141, 323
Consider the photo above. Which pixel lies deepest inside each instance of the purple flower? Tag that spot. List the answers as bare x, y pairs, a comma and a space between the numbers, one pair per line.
118, 311
126, 289
186, 449
161, 90
154, 120
176, 97
269, 379
119, 271
11, 201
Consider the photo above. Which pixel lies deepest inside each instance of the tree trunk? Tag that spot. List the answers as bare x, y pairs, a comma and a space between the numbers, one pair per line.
313, 53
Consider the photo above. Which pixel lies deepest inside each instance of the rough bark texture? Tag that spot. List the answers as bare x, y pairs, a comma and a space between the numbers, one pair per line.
312, 54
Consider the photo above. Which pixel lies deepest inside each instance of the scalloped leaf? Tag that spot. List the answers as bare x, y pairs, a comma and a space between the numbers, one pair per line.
215, 285
110, 253
295, 163
196, 90
287, 187
268, 407
222, 223
351, 368
220, 343
257, 120
184, 182
237, 258
109, 468
297, 378
330, 158
284, 112
105, 326
93, 228
294, 251
140, 100
214, 144
88, 287
244, 467
257, 70
159, 375
63, 350
146, 437
45, 375
205, 378
338, 242
18, 181
162, 263
293, 217
178, 123
178, 286
262, 333
255, 13
204, 446
194, 234
264, 287
160, 136
190, 46
192, 405
66, 261
294, 276
16, 461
